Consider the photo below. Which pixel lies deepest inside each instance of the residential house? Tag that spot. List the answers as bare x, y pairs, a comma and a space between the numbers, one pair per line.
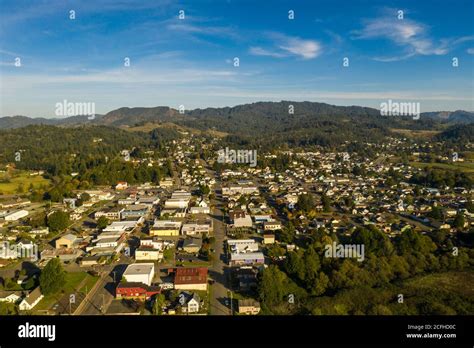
30, 301
248, 306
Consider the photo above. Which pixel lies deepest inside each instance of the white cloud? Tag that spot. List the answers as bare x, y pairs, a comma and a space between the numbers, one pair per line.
259, 51
412, 35
284, 45
306, 49
470, 50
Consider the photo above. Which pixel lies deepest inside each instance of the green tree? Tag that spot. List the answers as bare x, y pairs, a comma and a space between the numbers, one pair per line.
58, 221
459, 221
102, 222
53, 277
158, 304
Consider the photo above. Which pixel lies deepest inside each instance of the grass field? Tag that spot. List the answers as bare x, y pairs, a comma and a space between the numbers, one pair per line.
461, 283
424, 134
73, 280
466, 167
17, 179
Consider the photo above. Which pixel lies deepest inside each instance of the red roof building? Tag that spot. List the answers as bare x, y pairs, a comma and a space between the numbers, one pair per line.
190, 278
132, 289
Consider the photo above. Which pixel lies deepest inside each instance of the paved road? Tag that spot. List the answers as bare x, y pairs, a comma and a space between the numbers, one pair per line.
217, 272
101, 295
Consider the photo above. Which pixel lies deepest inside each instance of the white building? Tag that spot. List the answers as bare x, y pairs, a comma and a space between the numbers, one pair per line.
239, 246
140, 272
17, 215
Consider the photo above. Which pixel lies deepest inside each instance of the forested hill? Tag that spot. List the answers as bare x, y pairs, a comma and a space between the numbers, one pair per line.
241, 117
65, 150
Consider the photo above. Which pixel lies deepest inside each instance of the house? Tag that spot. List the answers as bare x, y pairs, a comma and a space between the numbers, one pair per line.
135, 290
121, 185
167, 182
192, 245
165, 228
239, 218
268, 238
148, 253
199, 210
181, 202
30, 301
247, 277
248, 306
271, 225
10, 296
189, 302
134, 211
111, 213
140, 272
67, 241
194, 228
190, 278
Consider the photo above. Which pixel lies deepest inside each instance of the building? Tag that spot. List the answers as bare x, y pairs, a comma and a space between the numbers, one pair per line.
140, 273
30, 301
149, 201
192, 245
10, 296
242, 245
248, 306
194, 228
135, 290
111, 214
239, 218
190, 278
271, 225
246, 259
166, 182
148, 253
268, 238
67, 241
190, 302
199, 210
239, 189
121, 185
181, 202
134, 211
16, 215
165, 228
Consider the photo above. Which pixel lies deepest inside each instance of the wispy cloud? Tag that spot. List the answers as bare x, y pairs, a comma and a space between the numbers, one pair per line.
413, 36
259, 51
470, 50
284, 45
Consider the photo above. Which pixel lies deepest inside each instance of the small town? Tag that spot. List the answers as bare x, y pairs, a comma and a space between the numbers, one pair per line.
197, 242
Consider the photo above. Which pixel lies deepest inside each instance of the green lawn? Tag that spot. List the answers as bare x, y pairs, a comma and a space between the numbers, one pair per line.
21, 178
73, 281
455, 282
466, 167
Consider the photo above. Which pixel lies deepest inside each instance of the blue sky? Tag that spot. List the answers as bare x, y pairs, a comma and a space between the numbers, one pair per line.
190, 61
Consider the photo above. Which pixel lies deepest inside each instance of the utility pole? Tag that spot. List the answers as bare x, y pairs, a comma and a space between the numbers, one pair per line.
103, 303
231, 303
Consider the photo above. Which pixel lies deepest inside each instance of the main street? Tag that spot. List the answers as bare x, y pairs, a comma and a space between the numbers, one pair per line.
218, 272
